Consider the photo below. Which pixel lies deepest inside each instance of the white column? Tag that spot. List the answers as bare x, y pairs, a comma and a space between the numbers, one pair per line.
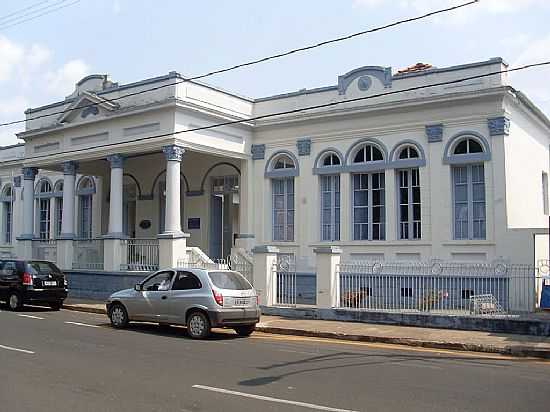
172, 219
29, 173
245, 237
115, 203
24, 242
67, 218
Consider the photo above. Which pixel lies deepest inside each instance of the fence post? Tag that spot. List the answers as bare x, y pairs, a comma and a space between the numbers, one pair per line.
265, 280
112, 254
65, 253
328, 279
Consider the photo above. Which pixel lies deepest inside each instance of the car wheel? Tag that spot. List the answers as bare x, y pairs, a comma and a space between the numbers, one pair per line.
14, 301
56, 305
118, 316
245, 330
198, 325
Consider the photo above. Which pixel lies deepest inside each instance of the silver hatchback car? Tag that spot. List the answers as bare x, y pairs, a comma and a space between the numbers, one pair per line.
201, 299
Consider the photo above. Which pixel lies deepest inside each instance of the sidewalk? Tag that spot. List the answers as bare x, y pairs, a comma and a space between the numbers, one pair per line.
507, 344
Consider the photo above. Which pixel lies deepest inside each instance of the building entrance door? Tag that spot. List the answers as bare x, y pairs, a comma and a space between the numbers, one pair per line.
224, 210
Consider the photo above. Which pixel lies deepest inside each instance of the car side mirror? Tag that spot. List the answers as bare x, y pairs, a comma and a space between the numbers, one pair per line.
138, 287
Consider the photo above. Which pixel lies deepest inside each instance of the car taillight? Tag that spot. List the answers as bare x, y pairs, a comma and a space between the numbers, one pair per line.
27, 279
218, 297
258, 300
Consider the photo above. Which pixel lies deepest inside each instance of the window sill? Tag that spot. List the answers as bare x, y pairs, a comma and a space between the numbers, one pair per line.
373, 243
469, 243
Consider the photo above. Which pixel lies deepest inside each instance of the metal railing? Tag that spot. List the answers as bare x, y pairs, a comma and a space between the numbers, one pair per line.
241, 262
141, 255
88, 254
44, 249
285, 281
479, 289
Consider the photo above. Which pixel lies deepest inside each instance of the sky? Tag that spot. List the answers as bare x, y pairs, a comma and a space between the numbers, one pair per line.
41, 60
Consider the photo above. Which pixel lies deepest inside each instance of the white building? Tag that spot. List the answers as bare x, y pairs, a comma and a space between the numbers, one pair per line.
457, 171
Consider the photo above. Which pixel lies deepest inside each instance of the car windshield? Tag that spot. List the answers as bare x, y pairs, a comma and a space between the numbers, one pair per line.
41, 268
229, 280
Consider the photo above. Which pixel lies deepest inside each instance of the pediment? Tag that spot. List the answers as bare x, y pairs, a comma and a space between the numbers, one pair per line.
86, 105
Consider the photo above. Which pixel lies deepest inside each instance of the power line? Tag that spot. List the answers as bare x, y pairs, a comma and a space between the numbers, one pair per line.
45, 10
32, 6
303, 109
257, 61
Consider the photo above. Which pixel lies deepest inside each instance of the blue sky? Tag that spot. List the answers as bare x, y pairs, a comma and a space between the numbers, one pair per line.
131, 40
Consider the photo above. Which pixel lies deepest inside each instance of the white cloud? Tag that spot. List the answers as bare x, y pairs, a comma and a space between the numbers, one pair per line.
11, 55
62, 81
38, 55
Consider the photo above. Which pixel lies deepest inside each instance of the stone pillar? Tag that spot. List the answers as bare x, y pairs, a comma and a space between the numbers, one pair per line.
246, 238
173, 242
264, 278
328, 280
65, 239
114, 248
25, 240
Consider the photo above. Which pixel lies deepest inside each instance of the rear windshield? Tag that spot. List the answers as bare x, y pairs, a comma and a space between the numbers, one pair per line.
41, 268
229, 280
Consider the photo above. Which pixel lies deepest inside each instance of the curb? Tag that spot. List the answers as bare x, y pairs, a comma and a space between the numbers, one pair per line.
79, 308
518, 351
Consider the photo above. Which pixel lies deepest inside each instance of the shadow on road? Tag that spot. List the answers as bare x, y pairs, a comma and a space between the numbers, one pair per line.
344, 360
179, 332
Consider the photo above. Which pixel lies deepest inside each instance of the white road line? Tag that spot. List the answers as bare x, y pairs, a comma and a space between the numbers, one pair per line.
82, 324
30, 316
17, 350
270, 399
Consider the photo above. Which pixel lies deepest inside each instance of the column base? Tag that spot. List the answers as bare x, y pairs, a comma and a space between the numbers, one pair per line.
172, 249
114, 254
24, 247
65, 253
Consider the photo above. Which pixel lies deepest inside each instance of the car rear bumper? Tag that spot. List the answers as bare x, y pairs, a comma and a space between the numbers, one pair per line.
234, 317
44, 295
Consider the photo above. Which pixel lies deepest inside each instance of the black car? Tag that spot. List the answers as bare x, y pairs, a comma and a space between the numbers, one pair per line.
33, 282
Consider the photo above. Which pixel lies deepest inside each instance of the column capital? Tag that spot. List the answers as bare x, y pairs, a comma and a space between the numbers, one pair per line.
499, 125
69, 168
173, 152
116, 160
29, 173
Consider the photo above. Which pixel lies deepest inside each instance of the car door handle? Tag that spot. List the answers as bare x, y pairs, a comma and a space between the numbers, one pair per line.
164, 297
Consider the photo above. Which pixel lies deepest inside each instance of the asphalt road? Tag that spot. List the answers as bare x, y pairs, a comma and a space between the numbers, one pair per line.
72, 361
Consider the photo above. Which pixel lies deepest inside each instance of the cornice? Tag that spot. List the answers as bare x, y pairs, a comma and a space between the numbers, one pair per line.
384, 106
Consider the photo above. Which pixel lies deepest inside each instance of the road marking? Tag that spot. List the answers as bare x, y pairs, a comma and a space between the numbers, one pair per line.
82, 324
17, 350
270, 399
30, 316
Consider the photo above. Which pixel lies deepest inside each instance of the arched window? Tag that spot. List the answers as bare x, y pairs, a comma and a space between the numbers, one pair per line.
407, 158
7, 199
329, 167
85, 192
282, 168
58, 207
43, 202
466, 153
368, 153
408, 152
369, 191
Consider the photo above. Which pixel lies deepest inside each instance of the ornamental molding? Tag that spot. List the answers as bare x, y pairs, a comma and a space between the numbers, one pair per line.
69, 168
173, 152
29, 173
434, 133
116, 161
258, 151
304, 146
498, 126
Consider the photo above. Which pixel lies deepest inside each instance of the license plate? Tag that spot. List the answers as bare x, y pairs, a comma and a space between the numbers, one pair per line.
241, 302
50, 283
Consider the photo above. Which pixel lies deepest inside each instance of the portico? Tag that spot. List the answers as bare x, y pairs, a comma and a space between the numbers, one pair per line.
138, 191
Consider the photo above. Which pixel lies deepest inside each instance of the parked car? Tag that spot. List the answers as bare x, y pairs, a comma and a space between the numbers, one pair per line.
198, 298
31, 282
